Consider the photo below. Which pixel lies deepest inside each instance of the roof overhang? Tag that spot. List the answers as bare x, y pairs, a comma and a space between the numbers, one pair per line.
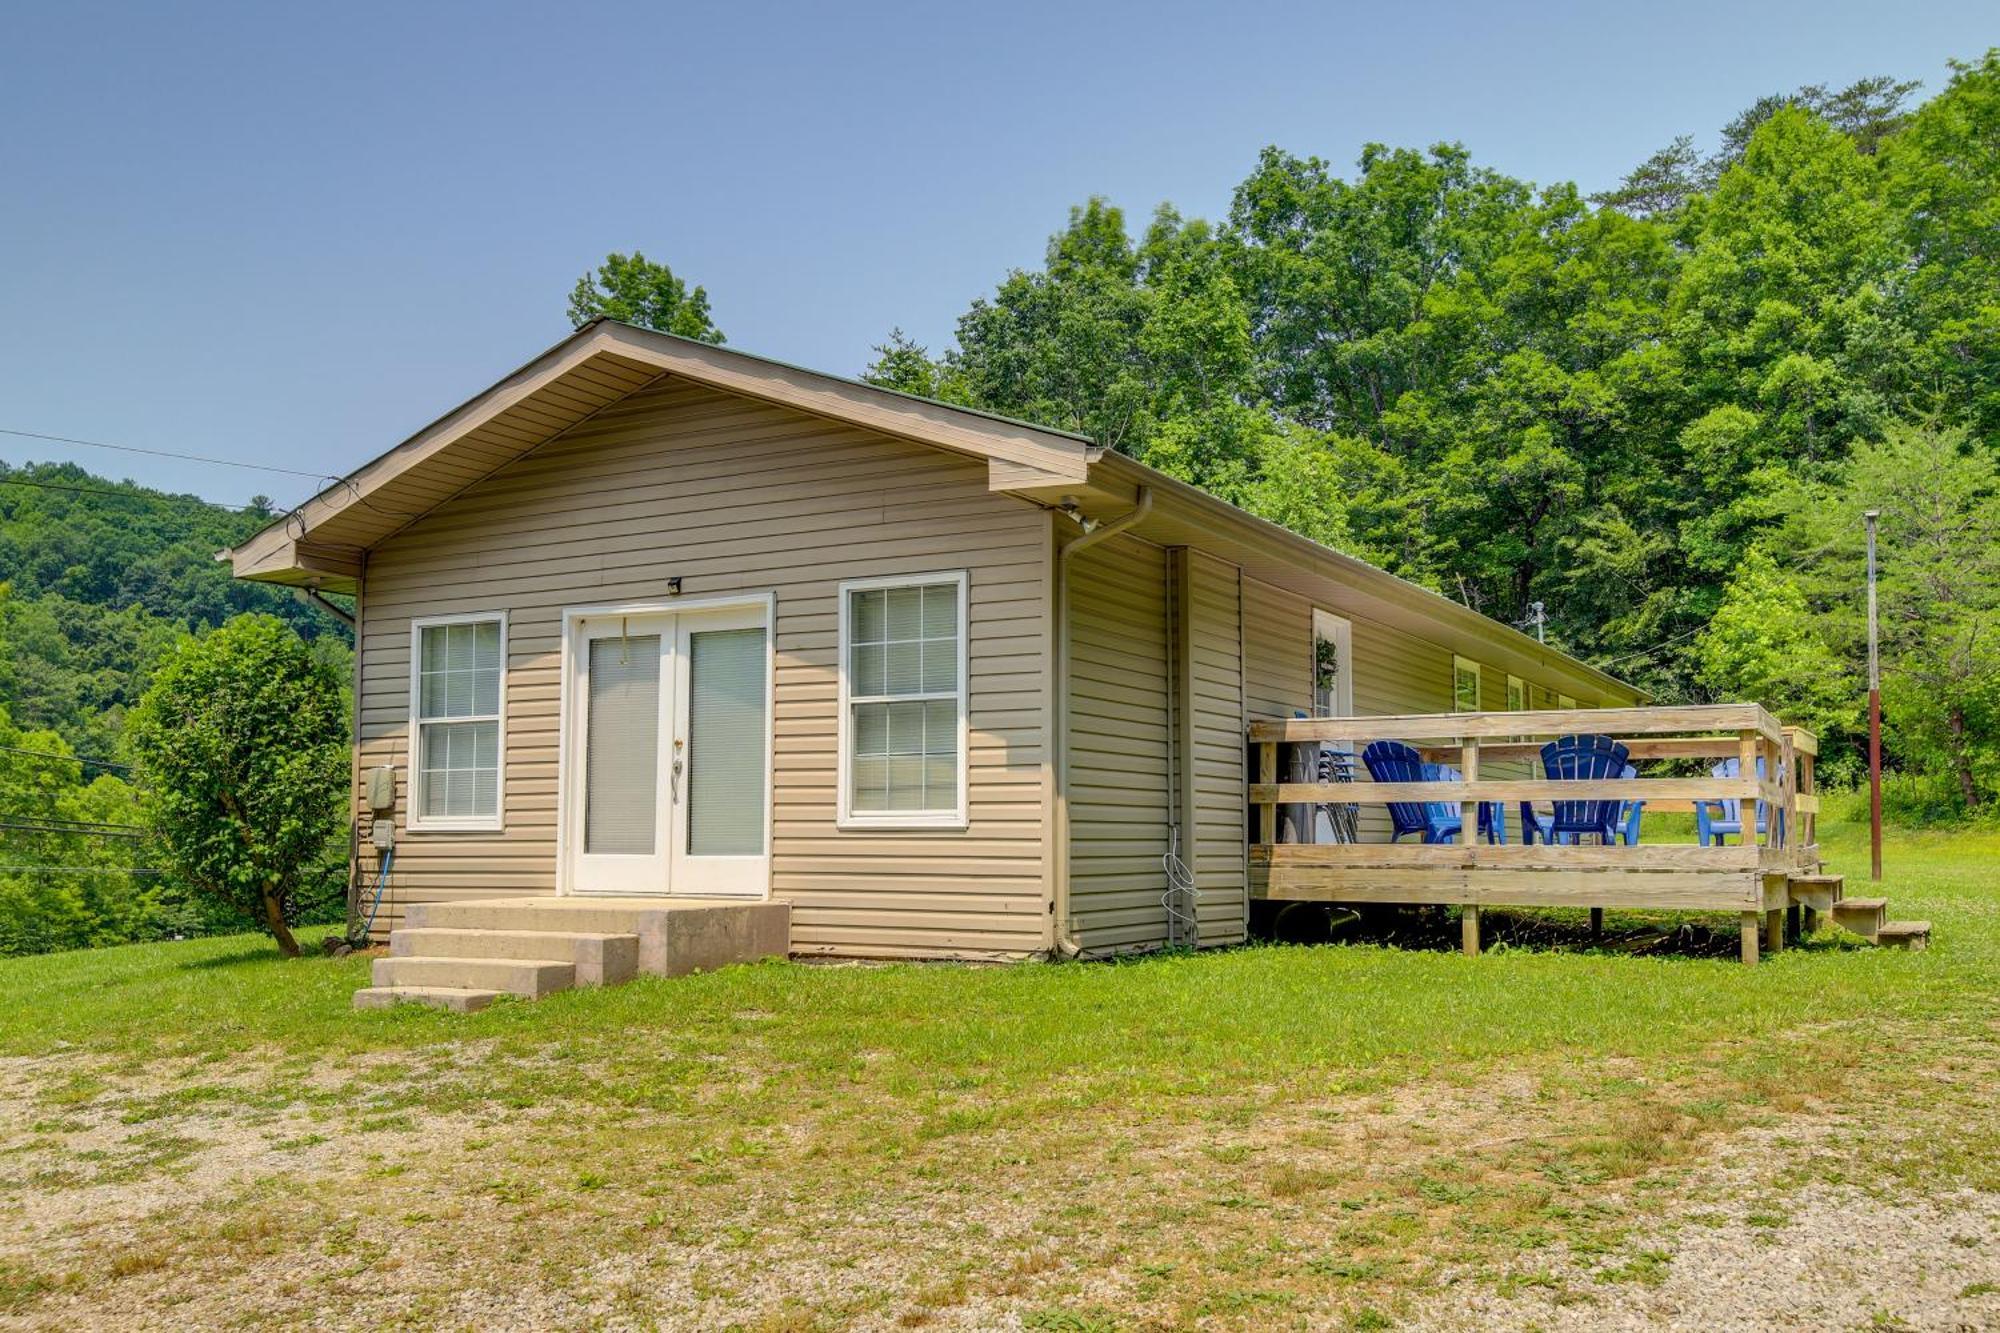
324, 542
1185, 515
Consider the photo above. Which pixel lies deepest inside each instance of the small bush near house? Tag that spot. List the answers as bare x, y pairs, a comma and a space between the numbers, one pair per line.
242, 744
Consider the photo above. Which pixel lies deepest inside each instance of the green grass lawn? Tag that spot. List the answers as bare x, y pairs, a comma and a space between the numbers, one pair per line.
1258, 1135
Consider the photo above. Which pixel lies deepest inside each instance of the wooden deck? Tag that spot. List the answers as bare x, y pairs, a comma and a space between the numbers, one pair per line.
1752, 877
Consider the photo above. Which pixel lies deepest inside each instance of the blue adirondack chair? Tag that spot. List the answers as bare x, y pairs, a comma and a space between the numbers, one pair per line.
1434, 821
1628, 814
1583, 759
1715, 820
1492, 815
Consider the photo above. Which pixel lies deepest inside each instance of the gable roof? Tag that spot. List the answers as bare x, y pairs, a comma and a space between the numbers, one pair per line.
323, 543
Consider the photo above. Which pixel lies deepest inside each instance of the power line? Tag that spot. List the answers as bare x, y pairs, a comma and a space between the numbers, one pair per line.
58, 830
75, 823
1648, 652
48, 758
81, 870
158, 453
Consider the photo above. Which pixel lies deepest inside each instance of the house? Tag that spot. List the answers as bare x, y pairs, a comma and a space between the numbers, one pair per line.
651, 618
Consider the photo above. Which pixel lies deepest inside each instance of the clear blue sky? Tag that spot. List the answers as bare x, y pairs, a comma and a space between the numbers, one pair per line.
294, 234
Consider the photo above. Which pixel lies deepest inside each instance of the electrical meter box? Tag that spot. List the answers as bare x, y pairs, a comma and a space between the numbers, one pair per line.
382, 789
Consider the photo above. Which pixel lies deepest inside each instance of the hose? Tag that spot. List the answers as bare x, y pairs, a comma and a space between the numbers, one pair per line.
381, 882
1182, 899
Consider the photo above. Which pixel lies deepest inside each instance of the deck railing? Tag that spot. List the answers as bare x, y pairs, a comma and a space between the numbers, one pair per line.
1498, 757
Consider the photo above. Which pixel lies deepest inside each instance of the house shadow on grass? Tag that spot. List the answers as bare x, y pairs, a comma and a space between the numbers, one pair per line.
1436, 930
265, 952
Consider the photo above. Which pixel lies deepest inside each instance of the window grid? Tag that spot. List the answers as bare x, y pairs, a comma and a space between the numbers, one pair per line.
903, 654
457, 686
1465, 682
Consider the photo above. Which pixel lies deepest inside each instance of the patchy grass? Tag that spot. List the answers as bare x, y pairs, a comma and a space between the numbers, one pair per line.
1345, 1136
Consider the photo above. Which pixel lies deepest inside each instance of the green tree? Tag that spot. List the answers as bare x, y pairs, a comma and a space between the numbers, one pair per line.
1660, 186
1768, 644
1060, 346
1939, 592
1942, 184
242, 742
82, 824
905, 365
634, 289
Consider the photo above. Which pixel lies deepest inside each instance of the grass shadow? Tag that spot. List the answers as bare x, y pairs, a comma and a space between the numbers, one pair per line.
259, 953
1437, 930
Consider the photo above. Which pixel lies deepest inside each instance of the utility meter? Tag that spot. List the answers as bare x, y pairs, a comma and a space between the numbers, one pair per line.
382, 802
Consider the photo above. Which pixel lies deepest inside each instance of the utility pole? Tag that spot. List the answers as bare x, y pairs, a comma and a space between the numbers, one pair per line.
1874, 715
1540, 618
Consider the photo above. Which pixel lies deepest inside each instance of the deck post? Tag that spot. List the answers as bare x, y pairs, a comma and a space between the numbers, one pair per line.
1749, 746
1468, 929
1749, 934
1267, 774
1774, 930
1597, 923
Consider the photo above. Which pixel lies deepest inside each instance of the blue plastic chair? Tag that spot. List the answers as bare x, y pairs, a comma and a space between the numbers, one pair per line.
1434, 821
1728, 816
1628, 814
1584, 759
1492, 815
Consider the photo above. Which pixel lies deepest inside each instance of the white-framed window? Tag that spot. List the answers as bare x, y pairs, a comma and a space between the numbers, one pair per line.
1465, 682
902, 702
458, 732
1333, 665
1517, 695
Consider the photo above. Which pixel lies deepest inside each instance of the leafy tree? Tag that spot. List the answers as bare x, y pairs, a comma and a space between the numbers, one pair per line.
1660, 186
1942, 185
242, 741
906, 366
82, 824
638, 291
1061, 346
98, 584
1867, 111
1767, 644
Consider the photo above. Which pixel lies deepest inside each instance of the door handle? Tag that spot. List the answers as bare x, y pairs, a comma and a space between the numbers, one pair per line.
680, 762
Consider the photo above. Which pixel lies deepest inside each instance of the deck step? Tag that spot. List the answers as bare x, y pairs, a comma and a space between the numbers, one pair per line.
600, 959
1864, 916
1910, 935
456, 999
529, 977
1819, 892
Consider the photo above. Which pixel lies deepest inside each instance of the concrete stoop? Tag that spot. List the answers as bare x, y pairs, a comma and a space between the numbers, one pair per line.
463, 955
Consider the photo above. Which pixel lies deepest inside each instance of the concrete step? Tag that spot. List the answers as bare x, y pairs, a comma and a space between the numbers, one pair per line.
1910, 935
1864, 916
529, 977
600, 959
438, 997
676, 935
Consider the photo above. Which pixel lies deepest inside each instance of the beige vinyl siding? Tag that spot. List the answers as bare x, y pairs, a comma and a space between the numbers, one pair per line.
1118, 736
1394, 672
1277, 653
1215, 766
735, 496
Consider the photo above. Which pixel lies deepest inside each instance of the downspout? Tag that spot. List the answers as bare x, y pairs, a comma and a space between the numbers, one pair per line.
355, 934
1063, 944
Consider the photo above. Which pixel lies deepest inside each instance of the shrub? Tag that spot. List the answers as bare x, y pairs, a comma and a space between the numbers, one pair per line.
242, 744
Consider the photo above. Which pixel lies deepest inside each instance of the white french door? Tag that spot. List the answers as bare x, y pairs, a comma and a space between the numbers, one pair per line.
666, 768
